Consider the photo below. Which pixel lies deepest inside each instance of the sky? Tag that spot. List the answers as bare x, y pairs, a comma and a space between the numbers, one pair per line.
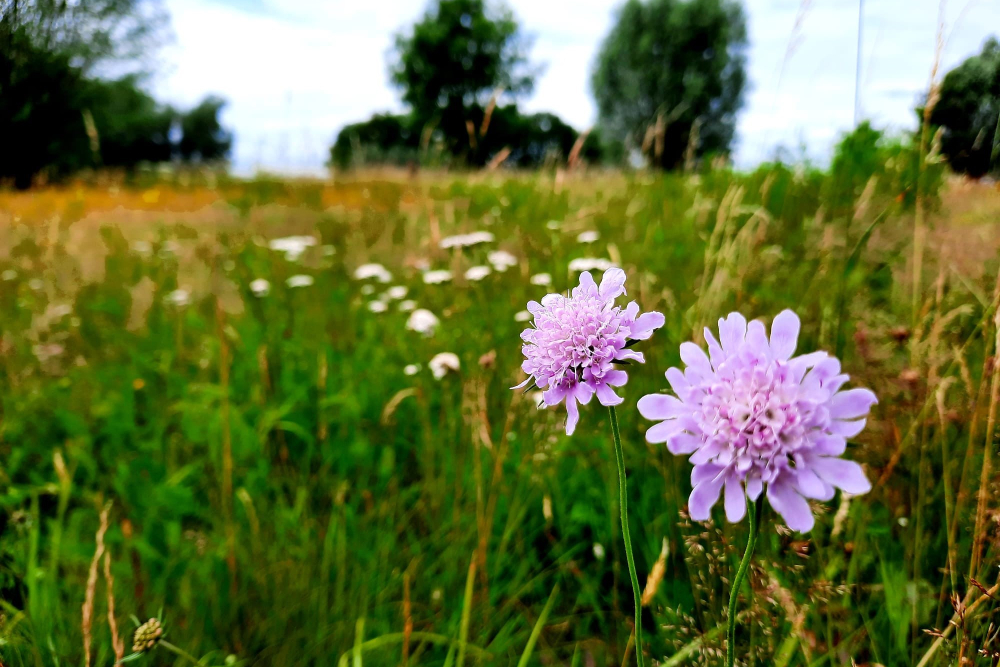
296, 71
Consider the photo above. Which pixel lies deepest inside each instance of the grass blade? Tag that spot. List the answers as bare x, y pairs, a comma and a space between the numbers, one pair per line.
537, 630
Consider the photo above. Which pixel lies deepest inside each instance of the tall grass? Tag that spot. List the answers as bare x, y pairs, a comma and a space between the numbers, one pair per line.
288, 495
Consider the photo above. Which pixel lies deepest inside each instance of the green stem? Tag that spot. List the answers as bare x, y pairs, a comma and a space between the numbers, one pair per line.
179, 651
754, 511
623, 506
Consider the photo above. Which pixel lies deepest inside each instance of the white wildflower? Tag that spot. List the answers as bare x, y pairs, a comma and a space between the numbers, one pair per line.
292, 246
179, 298
377, 307
437, 277
590, 264
464, 240
588, 237
501, 260
542, 279
300, 280
376, 271
396, 292
408, 305
423, 321
442, 363
260, 287
477, 273
411, 369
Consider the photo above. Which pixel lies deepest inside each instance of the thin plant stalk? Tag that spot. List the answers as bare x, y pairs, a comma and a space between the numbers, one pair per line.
755, 511
623, 507
179, 651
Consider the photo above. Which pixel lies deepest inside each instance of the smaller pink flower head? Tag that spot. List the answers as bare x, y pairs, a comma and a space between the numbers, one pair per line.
753, 416
575, 341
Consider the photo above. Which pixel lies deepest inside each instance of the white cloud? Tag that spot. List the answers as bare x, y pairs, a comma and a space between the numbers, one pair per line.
296, 71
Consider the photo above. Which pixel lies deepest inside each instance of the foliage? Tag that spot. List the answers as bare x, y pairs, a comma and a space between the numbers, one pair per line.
286, 491
671, 73
382, 139
454, 60
41, 97
59, 118
969, 112
131, 127
202, 137
98, 36
533, 140
891, 166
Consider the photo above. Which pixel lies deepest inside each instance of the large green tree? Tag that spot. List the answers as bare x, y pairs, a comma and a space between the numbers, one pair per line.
969, 113
110, 37
61, 110
672, 72
451, 63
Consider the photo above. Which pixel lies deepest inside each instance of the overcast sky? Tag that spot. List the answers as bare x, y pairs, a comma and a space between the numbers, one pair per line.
296, 71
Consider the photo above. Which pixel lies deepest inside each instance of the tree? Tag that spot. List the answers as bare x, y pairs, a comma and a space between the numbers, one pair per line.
452, 62
382, 139
99, 36
130, 127
969, 113
203, 139
41, 98
672, 73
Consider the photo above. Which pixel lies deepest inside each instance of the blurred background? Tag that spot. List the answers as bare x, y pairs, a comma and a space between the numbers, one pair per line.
263, 272
269, 86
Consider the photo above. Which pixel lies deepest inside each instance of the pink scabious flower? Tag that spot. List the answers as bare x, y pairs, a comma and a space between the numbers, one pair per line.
575, 342
753, 416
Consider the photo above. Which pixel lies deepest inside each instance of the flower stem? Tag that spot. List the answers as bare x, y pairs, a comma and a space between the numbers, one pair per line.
179, 651
755, 510
623, 506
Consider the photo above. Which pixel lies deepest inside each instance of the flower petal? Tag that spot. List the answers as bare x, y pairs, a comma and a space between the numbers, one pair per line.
852, 403
606, 395
612, 284
661, 406
682, 443
811, 486
645, 324
732, 332
847, 429
792, 507
703, 497
695, 357
784, 334
757, 339
715, 353
616, 378
572, 414
678, 382
736, 502
663, 431
843, 474
829, 445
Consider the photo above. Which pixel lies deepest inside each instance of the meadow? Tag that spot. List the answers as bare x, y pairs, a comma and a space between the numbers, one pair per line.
222, 404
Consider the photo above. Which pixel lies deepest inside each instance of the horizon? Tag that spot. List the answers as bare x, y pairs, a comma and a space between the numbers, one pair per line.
800, 65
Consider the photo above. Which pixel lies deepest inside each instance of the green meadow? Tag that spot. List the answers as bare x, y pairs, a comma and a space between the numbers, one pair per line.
280, 474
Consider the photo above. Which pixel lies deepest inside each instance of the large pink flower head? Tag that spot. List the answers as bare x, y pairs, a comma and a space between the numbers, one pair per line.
753, 416
572, 349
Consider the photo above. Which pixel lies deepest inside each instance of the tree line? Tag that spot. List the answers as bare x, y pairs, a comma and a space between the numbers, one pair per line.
62, 107
668, 80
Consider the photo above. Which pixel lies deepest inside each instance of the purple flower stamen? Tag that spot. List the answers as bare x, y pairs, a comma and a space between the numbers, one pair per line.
574, 344
753, 416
